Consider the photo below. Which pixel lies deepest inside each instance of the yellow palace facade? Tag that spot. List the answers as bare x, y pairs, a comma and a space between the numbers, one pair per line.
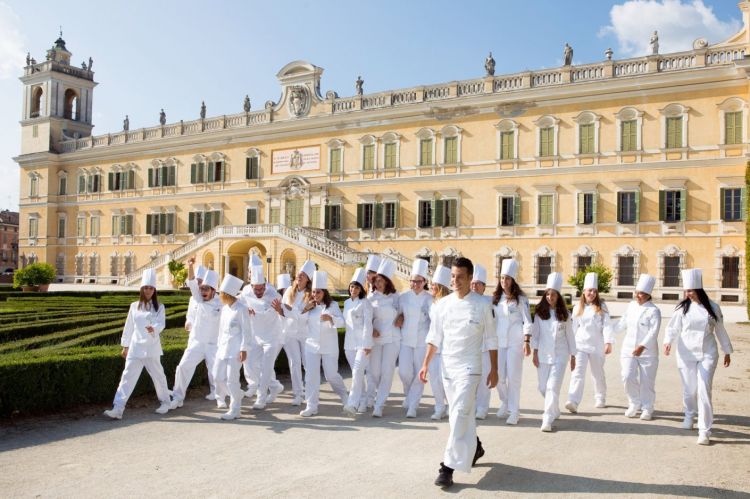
638, 164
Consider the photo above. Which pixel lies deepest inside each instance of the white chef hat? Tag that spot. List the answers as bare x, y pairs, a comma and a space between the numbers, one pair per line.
283, 281
591, 281
200, 272
148, 278
480, 274
420, 267
509, 268
320, 280
211, 279
692, 279
255, 261
442, 275
308, 268
231, 285
373, 262
256, 275
387, 268
360, 276
645, 284
555, 281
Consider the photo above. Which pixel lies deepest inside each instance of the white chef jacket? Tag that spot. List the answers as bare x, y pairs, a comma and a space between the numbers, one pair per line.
459, 330
235, 331
513, 319
192, 304
642, 323
295, 320
384, 313
696, 333
358, 320
266, 322
323, 337
416, 310
205, 317
592, 330
552, 339
141, 343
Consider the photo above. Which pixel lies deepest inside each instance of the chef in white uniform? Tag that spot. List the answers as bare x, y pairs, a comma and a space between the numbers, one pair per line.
439, 289
322, 346
235, 337
479, 285
696, 325
462, 324
141, 347
358, 340
639, 355
414, 306
204, 333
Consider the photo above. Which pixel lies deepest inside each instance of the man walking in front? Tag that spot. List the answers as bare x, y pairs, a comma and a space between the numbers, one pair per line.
463, 323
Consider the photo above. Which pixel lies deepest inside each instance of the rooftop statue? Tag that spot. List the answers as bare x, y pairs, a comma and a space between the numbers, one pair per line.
358, 84
126, 124
654, 43
246, 104
203, 110
163, 117
489, 65
568, 55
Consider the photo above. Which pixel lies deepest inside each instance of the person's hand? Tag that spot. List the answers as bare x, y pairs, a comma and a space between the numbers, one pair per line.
535, 358
251, 312
150, 330
667, 349
243, 356
526, 349
607, 348
276, 304
572, 362
727, 360
638, 350
492, 379
367, 351
326, 317
375, 333
124, 352
188, 327
399, 321
423, 374
191, 261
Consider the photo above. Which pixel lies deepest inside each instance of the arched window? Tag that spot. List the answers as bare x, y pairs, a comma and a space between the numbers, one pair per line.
71, 105
36, 101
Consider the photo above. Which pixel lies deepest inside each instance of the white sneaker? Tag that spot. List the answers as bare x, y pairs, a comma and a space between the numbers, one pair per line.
275, 390
221, 403
512, 419
411, 413
211, 396
163, 408
175, 404
438, 414
297, 400
647, 415
259, 406
481, 414
228, 416
631, 412
503, 410
571, 406
703, 439
350, 411
600, 404
308, 412
377, 412
546, 427
687, 423
114, 413
362, 408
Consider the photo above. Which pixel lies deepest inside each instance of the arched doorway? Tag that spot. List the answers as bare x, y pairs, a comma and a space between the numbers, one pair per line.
288, 263
237, 258
208, 260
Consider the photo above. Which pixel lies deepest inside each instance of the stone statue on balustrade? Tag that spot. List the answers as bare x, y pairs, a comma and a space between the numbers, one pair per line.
246, 104
203, 110
163, 117
358, 85
126, 124
28, 58
608, 54
654, 43
568, 55
84, 66
489, 65
91, 64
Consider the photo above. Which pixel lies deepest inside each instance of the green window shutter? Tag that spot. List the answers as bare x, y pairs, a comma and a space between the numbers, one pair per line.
150, 177
506, 145
743, 203
438, 212
193, 173
378, 215
335, 160
252, 216
581, 207
420, 215
81, 184
546, 145
201, 172
397, 214
170, 223
638, 206
110, 180
131, 179
327, 217
738, 127
586, 138
674, 133
368, 157
149, 224
662, 206
425, 155
733, 128
723, 203
451, 150
191, 222
247, 169
499, 211
90, 184
115, 225
451, 213
360, 215
683, 205
220, 166
161, 227
163, 175
211, 172
516, 210
619, 206
172, 176
217, 219
594, 206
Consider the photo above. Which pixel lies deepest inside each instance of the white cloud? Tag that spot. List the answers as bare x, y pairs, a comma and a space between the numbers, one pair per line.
678, 23
11, 43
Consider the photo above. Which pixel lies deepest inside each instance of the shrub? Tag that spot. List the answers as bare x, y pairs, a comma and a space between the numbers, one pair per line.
34, 275
605, 277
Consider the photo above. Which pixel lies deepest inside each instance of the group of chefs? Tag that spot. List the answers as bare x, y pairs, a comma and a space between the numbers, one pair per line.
444, 330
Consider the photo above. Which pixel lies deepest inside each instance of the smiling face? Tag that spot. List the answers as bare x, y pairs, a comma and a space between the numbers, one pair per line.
551, 296
318, 296
692, 295
379, 283
506, 282
478, 287
371, 274
148, 292
641, 297
590, 295
354, 290
416, 283
259, 290
460, 280
302, 280
207, 292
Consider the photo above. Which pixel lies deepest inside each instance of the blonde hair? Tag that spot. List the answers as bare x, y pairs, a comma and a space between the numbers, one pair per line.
291, 292
227, 299
442, 292
596, 303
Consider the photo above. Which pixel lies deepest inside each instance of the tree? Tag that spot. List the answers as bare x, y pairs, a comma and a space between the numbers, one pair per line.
178, 272
605, 277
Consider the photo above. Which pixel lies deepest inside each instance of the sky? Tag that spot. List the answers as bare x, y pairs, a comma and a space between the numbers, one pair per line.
174, 54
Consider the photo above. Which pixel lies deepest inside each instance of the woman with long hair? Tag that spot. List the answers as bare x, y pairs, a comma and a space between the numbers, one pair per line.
439, 289
513, 327
554, 346
141, 347
358, 340
593, 341
696, 325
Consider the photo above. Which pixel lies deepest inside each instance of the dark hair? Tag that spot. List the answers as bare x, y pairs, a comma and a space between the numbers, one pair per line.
389, 287
542, 308
362, 294
515, 292
326, 297
464, 263
142, 301
703, 298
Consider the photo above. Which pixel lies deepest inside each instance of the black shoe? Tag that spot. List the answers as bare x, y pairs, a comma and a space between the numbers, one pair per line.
445, 477
478, 453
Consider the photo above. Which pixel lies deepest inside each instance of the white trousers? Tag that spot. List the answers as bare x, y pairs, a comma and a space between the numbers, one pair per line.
252, 368
193, 355
131, 373
409, 363
330, 364
294, 349
227, 379
697, 379
578, 378
509, 375
462, 441
639, 378
435, 375
380, 373
262, 358
358, 361
550, 381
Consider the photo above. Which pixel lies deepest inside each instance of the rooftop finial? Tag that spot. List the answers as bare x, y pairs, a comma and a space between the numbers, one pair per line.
60, 31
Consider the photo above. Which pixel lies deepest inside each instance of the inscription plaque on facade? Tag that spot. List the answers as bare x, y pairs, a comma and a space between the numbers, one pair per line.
294, 160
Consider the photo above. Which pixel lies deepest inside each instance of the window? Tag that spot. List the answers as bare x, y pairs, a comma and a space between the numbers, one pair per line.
215, 171
425, 152
510, 210
546, 141
586, 139
61, 227
674, 132
251, 216
733, 128
33, 228
625, 270
425, 214
450, 150
544, 269
81, 227
79, 264
438, 213
93, 265
198, 173
368, 157
333, 217
162, 176
365, 216
62, 186
732, 204
94, 227
587, 202
335, 160
671, 271
114, 264
252, 168
629, 135
89, 183
730, 272
314, 216
582, 262
628, 207
34, 186
545, 209
210, 172
121, 180
122, 225
160, 223
389, 156
673, 205
294, 212
390, 215
203, 221
506, 145
275, 215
